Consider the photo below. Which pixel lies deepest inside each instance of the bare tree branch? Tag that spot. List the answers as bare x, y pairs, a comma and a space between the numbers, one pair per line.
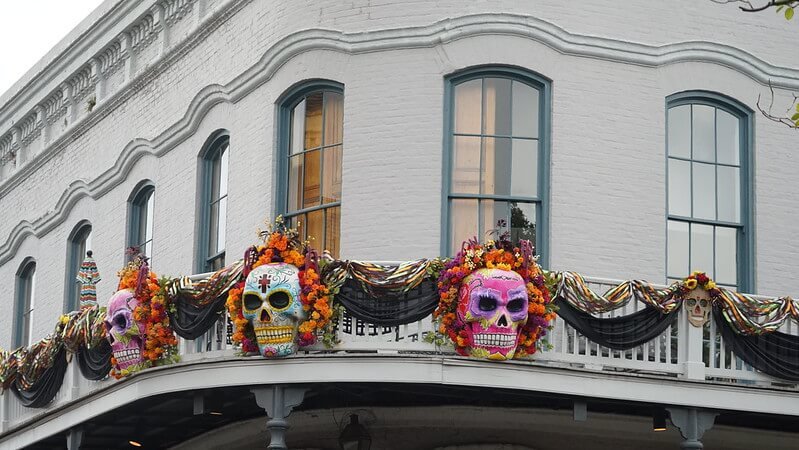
768, 113
747, 6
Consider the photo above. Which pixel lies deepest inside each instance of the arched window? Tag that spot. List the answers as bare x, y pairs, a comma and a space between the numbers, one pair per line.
496, 156
311, 138
25, 296
708, 151
213, 203
78, 243
140, 219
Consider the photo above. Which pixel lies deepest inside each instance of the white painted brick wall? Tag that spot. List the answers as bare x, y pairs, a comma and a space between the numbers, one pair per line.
608, 154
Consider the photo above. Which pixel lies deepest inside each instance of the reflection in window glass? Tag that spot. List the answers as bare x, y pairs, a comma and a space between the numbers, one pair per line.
705, 187
314, 167
215, 204
494, 165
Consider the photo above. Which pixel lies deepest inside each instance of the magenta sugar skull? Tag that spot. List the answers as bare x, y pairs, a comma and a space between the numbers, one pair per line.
493, 306
124, 332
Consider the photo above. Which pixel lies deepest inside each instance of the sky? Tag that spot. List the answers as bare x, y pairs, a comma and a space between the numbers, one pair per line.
30, 28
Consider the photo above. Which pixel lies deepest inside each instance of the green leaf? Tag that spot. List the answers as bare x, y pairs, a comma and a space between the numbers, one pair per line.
789, 13
795, 117
797, 106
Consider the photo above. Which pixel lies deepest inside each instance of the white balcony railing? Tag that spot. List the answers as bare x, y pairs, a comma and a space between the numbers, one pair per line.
682, 351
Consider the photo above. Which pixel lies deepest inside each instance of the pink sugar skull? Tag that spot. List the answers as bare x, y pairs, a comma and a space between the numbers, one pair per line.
125, 333
493, 306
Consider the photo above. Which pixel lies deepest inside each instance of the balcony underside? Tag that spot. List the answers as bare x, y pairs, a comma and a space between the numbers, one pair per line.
158, 405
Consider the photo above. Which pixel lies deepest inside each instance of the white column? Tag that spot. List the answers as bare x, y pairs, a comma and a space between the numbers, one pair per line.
690, 341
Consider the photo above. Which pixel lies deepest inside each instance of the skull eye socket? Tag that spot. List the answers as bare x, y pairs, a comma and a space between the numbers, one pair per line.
691, 302
516, 305
120, 321
279, 299
487, 303
252, 301
703, 303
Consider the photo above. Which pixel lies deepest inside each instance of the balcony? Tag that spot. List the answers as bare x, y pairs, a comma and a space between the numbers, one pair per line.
683, 366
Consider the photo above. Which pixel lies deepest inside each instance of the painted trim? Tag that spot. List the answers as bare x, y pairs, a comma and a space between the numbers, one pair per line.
429, 36
543, 85
77, 236
746, 241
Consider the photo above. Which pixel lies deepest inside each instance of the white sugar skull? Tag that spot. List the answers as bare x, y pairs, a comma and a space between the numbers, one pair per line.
271, 302
493, 305
699, 303
124, 332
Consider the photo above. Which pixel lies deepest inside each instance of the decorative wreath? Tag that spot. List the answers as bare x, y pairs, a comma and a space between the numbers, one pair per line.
160, 343
283, 244
501, 254
701, 280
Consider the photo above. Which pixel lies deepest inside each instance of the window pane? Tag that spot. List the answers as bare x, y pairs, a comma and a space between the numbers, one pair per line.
491, 212
468, 107
726, 255
680, 131
727, 131
729, 197
332, 224
702, 248
334, 118
216, 178
331, 174
311, 186
497, 162
296, 169
704, 191
678, 249
223, 165
679, 187
316, 228
522, 222
221, 226
298, 222
525, 110
313, 120
524, 168
466, 165
298, 128
497, 106
704, 133
213, 229
463, 222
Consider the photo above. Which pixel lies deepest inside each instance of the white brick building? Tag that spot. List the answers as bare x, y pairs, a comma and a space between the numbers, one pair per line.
135, 92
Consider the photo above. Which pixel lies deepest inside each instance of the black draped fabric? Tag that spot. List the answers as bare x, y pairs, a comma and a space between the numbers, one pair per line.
618, 333
44, 390
776, 354
191, 321
385, 308
95, 363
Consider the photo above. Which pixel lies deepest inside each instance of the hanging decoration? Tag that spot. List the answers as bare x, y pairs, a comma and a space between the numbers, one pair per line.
385, 295
287, 293
492, 300
198, 301
88, 277
137, 322
571, 287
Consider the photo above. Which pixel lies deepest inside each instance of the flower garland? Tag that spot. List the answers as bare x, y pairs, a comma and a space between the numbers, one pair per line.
160, 343
501, 254
282, 244
701, 280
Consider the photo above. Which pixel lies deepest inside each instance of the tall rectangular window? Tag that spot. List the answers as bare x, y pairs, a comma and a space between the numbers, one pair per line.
214, 204
26, 295
312, 155
496, 156
78, 244
707, 201
140, 234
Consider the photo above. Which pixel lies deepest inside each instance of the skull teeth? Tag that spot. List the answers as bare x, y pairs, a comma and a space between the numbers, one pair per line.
274, 335
494, 340
127, 356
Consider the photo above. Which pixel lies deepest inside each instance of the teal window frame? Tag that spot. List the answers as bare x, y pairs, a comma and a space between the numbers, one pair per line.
209, 160
745, 239
25, 302
76, 252
137, 217
284, 106
542, 199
